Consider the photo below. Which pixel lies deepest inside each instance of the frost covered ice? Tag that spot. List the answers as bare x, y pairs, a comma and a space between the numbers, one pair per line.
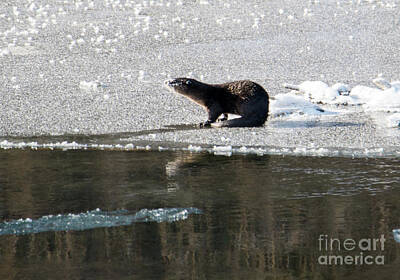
57, 55
90, 86
66, 145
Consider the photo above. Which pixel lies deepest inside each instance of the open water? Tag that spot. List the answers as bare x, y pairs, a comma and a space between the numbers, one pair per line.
92, 214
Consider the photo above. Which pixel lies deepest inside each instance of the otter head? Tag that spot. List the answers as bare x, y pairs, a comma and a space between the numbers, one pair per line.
184, 86
195, 90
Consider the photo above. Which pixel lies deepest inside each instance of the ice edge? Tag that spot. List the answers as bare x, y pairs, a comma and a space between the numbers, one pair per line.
369, 152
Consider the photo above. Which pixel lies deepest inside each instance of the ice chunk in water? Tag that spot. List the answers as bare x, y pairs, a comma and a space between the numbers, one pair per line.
94, 219
396, 235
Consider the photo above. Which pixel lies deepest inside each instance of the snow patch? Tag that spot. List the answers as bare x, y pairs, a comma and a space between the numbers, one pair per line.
384, 98
286, 104
92, 86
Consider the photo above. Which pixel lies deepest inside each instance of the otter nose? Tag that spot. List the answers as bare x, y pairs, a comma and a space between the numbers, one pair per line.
172, 82
169, 82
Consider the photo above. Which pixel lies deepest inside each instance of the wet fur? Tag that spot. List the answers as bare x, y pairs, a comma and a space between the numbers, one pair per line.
244, 98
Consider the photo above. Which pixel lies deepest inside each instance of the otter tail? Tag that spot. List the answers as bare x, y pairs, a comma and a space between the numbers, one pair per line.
239, 122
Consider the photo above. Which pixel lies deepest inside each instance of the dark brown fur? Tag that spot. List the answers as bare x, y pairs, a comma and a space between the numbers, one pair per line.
244, 98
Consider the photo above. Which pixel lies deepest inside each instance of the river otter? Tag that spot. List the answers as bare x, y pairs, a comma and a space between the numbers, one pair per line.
244, 98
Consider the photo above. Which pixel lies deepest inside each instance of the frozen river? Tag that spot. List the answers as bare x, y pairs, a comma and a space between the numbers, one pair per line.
179, 215
105, 175
97, 67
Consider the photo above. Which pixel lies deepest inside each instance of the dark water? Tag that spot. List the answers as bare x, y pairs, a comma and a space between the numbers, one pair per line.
261, 217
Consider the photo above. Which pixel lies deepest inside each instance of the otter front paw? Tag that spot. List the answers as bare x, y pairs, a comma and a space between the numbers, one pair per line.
205, 124
223, 118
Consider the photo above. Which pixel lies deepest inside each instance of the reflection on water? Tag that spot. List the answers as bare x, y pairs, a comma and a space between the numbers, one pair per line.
261, 216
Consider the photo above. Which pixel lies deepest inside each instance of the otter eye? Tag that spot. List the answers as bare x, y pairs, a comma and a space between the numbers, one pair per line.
188, 82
